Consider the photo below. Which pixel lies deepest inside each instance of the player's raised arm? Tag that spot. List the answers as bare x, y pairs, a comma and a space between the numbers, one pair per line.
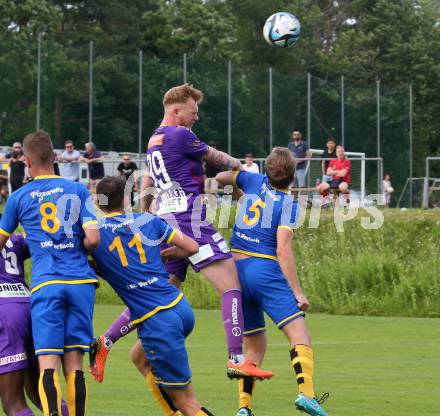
229, 178
221, 159
287, 263
182, 246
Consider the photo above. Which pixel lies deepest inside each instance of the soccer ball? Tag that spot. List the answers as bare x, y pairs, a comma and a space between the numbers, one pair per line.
282, 29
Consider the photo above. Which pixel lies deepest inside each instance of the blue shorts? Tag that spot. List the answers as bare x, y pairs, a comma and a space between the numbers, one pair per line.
62, 317
163, 339
265, 289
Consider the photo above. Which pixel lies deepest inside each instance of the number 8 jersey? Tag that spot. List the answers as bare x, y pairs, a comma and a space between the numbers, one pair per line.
174, 161
52, 212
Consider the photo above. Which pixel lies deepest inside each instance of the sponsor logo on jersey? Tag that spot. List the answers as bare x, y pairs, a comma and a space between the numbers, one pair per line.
14, 290
45, 196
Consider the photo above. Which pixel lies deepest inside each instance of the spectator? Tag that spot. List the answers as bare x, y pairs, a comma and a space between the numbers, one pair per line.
16, 170
70, 157
387, 189
329, 153
4, 190
300, 150
249, 165
340, 171
94, 159
16, 147
127, 168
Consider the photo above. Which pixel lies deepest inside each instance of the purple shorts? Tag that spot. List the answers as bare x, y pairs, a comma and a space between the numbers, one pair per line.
15, 336
212, 247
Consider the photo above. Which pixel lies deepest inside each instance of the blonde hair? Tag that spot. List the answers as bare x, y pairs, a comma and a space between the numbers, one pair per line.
181, 94
280, 167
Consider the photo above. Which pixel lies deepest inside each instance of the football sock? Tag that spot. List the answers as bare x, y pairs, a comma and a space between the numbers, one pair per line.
302, 363
25, 412
246, 387
119, 328
324, 194
76, 393
160, 395
64, 408
50, 392
232, 315
204, 412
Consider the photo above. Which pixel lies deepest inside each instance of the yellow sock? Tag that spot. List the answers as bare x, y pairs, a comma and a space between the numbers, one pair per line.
246, 387
302, 363
161, 397
76, 393
50, 392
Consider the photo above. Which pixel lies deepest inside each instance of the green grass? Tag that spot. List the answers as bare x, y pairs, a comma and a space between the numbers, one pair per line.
371, 366
392, 271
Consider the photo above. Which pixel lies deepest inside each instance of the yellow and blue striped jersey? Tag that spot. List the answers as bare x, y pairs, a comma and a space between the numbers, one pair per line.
129, 259
263, 211
53, 212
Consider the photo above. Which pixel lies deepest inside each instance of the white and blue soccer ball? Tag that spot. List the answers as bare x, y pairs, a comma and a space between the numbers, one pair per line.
282, 29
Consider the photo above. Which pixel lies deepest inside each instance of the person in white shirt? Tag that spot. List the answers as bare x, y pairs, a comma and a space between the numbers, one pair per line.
71, 157
249, 165
387, 189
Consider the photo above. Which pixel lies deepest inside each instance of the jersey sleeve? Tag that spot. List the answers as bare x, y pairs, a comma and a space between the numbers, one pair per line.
165, 231
119, 168
9, 221
243, 179
87, 215
192, 146
289, 214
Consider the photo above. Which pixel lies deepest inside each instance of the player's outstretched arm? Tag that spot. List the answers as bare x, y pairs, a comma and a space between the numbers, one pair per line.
228, 178
220, 159
288, 265
182, 246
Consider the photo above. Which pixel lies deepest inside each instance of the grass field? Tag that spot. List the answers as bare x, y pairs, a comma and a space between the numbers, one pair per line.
370, 365
343, 273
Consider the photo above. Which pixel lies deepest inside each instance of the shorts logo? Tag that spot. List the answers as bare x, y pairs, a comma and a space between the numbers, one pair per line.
13, 359
236, 331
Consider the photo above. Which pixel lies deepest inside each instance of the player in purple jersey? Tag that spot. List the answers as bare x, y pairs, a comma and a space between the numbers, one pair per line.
15, 327
18, 366
174, 162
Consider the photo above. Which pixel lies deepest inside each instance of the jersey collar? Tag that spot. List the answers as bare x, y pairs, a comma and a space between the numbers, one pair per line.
112, 214
46, 177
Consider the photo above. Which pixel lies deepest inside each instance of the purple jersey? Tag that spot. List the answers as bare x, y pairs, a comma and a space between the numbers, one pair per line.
12, 284
174, 159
